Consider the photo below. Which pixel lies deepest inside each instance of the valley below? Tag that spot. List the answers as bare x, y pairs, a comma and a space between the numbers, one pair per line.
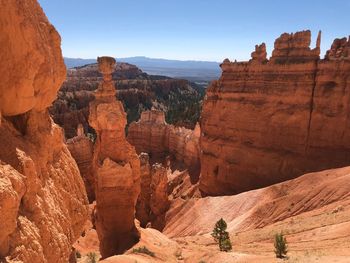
103, 162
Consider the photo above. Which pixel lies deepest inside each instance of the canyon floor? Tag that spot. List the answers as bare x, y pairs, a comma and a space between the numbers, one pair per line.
313, 212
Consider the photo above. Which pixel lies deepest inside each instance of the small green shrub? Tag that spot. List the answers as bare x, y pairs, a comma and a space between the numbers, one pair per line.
221, 236
92, 257
77, 254
143, 250
91, 137
280, 246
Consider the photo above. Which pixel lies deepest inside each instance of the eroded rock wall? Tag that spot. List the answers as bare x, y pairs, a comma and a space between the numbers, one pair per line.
116, 169
264, 122
143, 202
30, 45
159, 202
153, 201
81, 148
153, 135
43, 204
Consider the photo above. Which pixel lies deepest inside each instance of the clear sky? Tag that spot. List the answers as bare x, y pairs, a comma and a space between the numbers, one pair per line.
189, 29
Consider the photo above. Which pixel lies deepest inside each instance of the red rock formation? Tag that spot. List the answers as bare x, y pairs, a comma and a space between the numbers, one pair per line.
40, 60
143, 202
264, 123
259, 55
180, 186
43, 204
295, 48
81, 149
153, 201
153, 135
116, 168
149, 135
164, 249
340, 49
159, 202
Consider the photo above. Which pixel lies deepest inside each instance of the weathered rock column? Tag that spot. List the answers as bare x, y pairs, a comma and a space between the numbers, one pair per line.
116, 168
143, 203
81, 148
159, 202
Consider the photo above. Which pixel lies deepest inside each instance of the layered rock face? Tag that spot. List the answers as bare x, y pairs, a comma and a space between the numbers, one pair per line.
295, 48
43, 204
153, 135
116, 169
81, 148
153, 201
339, 49
25, 50
143, 202
159, 202
268, 121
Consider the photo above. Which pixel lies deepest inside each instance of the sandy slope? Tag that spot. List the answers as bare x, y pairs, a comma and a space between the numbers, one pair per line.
313, 211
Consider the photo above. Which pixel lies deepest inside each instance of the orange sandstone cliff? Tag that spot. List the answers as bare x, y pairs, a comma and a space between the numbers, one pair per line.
116, 168
43, 204
81, 148
267, 121
151, 134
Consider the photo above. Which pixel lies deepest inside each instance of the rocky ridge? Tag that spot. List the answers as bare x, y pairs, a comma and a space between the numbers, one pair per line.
267, 121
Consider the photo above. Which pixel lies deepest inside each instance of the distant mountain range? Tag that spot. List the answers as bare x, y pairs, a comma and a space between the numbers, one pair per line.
197, 71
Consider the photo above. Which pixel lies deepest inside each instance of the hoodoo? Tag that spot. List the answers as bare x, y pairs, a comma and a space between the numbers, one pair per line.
265, 122
43, 204
81, 148
116, 168
151, 134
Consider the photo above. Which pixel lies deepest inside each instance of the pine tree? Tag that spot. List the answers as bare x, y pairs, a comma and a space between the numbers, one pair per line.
280, 246
221, 236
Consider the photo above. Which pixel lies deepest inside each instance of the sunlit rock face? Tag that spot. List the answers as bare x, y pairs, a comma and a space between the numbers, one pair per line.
81, 148
43, 204
151, 134
30, 49
116, 168
143, 208
153, 201
264, 122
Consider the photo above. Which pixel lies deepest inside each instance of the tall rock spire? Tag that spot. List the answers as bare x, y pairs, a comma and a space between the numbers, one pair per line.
116, 168
318, 41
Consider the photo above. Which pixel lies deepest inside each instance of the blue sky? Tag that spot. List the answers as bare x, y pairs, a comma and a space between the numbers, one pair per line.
189, 29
